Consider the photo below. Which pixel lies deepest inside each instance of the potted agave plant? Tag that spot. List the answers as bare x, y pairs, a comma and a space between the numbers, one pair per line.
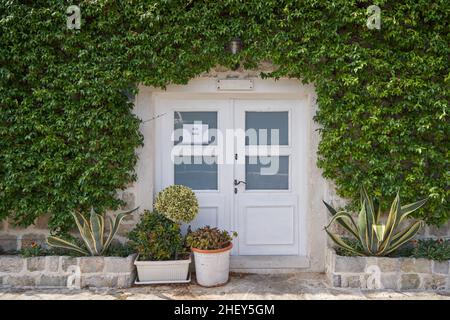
157, 238
211, 248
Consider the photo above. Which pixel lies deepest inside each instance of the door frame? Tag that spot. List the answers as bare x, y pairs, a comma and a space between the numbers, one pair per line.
284, 89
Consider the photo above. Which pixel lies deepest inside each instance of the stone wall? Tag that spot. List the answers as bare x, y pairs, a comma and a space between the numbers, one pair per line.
14, 238
387, 273
53, 271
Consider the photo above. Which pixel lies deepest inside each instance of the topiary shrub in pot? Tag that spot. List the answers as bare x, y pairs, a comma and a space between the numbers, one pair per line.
178, 203
162, 256
211, 248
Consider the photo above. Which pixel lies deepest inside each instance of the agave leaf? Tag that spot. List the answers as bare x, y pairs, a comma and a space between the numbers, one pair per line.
379, 230
85, 232
405, 236
392, 222
341, 218
114, 226
88, 239
377, 210
61, 243
362, 229
341, 243
407, 209
330, 208
370, 218
97, 230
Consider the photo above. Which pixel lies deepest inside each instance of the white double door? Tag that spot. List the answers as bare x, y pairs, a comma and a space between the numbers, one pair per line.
245, 160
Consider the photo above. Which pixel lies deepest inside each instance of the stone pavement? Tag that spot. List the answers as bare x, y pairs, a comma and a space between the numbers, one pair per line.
301, 286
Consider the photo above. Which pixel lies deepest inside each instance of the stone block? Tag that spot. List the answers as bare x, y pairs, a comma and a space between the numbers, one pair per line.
99, 281
351, 281
117, 264
350, 264
53, 281
388, 264
389, 281
129, 199
20, 281
435, 282
52, 263
441, 267
409, 281
91, 264
411, 265
41, 222
126, 281
442, 231
336, 280
36, 264
67, 261
8, 242
11, 264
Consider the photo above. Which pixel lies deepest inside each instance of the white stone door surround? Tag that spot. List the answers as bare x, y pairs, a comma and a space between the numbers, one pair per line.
293, 237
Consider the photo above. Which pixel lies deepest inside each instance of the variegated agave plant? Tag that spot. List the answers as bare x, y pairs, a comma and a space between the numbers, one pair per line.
92, 233
375, 238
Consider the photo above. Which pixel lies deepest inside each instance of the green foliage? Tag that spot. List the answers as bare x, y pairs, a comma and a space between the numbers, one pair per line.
68, 137
178, 203
208, 238
438, 250
156, 238
33, 250
92, 233
375, 238
432, 249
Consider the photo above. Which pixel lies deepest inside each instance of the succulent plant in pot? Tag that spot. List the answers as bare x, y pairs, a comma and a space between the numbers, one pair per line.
211, 247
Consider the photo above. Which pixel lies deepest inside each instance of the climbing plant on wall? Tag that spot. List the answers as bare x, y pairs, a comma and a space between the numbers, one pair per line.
68, 136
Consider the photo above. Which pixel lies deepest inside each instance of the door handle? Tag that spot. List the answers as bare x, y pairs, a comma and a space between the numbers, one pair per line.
238, 182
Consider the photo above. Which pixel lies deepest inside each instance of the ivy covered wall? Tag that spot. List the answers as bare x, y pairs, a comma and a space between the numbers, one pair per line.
68, 137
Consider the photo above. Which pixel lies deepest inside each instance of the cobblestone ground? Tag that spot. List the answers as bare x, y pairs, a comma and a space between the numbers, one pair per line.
283, 286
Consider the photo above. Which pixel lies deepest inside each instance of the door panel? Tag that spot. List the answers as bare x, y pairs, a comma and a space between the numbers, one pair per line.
194, 161
268, 227
264, 208
267, 204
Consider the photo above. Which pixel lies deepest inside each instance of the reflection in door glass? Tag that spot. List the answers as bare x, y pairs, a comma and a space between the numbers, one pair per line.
267, 173
267, 125
195, 127
198, 173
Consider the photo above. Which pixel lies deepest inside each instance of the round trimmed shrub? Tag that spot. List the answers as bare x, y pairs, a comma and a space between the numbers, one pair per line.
178, 203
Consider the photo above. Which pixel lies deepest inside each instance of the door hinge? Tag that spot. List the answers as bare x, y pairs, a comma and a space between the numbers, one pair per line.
235, 156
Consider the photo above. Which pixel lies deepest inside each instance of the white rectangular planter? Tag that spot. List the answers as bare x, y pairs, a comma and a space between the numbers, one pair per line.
162, 271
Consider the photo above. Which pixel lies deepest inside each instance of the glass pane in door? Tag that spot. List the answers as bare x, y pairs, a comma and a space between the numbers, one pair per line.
267, 128
195, 127
198, 173
267, 173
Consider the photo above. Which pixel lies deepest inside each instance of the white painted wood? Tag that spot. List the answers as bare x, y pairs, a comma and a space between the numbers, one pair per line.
270, 223
215, 205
